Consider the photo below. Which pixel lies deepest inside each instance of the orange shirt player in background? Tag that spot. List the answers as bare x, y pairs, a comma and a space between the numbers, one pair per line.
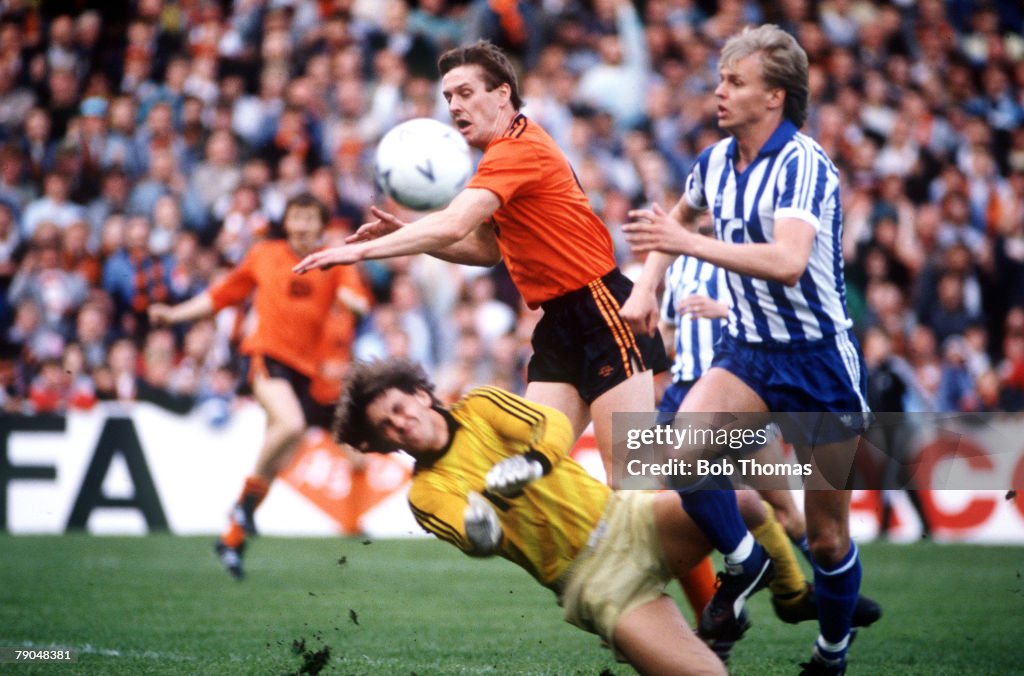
284, 350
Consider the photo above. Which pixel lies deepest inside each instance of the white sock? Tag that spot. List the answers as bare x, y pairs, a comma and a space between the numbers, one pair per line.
740, 554
832, 652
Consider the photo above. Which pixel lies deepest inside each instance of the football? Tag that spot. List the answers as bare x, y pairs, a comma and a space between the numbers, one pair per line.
422, 164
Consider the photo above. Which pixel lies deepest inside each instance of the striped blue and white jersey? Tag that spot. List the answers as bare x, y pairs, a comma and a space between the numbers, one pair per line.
695, 338
791, 177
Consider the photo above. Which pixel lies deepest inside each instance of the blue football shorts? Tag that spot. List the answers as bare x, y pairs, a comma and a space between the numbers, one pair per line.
815, 389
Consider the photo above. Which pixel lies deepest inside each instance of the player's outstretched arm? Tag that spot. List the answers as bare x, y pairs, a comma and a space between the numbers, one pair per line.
194, 308
385, 224
479, 247
783, 260
434, 234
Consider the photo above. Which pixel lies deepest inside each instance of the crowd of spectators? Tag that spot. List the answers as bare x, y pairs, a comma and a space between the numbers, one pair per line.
145, 145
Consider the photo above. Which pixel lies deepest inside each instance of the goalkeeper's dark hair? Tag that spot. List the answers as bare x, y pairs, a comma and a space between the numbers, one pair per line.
364, 382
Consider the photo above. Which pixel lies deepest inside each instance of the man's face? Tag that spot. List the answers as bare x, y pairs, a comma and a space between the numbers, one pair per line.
743, 98
408, 421
303, 226
476, 112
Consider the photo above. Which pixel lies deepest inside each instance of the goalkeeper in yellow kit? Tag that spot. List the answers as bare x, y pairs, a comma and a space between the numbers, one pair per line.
493, 476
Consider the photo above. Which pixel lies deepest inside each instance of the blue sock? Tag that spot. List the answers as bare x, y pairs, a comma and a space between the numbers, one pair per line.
717, 514
836, 591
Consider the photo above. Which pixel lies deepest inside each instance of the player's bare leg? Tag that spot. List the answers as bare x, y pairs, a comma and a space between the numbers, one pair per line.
837, 569
633, 395
656, 639
802, 607
828, 529
565, 398
285, 424
682, 541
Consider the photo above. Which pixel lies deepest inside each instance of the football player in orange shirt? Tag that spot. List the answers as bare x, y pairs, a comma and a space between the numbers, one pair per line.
283, 350
524, 205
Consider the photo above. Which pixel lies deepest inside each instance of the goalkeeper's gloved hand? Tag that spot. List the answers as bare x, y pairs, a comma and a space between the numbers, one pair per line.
481, 522
509, 477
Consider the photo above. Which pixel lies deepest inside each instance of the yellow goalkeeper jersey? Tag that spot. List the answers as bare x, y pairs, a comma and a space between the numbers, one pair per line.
548, 524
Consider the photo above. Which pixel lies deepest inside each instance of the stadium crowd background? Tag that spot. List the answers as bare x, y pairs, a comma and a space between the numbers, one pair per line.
144, 146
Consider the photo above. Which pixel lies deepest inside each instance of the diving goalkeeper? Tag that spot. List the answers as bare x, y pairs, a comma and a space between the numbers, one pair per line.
493, 477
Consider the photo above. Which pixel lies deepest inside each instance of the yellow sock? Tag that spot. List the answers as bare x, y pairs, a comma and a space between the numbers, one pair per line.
789, 580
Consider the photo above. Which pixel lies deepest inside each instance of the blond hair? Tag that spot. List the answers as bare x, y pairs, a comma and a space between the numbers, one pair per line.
783, 65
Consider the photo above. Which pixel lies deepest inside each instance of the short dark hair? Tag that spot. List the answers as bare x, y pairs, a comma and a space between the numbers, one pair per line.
364, 382
305, 200
496, 66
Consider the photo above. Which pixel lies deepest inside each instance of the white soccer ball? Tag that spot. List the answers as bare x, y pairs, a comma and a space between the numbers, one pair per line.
422, 164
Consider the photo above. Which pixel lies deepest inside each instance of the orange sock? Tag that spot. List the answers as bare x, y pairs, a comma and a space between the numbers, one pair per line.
699, 585
234, 536
254, 490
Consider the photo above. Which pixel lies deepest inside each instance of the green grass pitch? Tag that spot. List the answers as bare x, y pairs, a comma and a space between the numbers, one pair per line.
162, 605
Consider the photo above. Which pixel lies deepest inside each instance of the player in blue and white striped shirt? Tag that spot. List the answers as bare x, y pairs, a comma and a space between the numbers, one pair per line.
694, 302
773, 195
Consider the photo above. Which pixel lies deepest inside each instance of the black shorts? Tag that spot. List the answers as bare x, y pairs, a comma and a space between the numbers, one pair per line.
581, 340
317, 414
